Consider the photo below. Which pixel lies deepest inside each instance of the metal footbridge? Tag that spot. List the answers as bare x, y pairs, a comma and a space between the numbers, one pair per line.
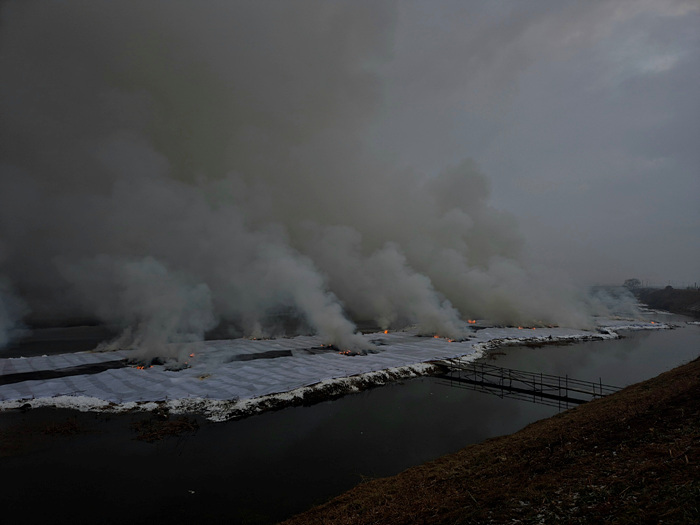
546, 389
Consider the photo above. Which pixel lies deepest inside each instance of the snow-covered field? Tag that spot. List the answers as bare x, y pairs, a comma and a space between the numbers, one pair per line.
230, 378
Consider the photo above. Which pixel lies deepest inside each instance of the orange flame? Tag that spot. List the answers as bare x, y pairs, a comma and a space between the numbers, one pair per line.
471, 321
520, 327
436, 337
191, 355
386, 331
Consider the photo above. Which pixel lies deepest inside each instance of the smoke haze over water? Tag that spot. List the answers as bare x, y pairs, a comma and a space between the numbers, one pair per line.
169, 166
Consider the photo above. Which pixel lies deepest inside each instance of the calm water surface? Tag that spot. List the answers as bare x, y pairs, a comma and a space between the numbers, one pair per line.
268, 467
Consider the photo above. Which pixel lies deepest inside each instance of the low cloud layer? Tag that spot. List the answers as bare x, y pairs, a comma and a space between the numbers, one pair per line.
171, 167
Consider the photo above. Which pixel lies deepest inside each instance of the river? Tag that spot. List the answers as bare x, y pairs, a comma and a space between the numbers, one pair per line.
270, 466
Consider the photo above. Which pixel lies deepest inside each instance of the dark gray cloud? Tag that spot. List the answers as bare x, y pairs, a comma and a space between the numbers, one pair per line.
166, 166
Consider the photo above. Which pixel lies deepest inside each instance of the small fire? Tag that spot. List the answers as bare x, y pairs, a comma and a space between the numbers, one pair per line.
653, 322
533, 327
520, 327
191, 355
386, 331
471, 321
140, 367
436, 337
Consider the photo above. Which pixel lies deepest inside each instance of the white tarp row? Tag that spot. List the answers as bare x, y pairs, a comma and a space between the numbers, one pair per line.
217, 373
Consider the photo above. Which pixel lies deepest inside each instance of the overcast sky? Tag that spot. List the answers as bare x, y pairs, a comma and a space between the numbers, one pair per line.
585, 116
177, 164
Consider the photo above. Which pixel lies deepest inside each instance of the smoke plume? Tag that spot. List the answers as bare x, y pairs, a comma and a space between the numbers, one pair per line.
12, 308
168, 167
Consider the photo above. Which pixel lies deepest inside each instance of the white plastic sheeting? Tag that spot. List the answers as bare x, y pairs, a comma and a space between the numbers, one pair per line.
217, 373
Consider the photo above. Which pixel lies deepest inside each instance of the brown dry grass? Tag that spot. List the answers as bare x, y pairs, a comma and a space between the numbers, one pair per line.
156, 428
20, 438
69, 427
629, 458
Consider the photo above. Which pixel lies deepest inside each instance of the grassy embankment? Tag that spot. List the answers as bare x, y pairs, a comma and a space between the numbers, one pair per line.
632, 457
684, 302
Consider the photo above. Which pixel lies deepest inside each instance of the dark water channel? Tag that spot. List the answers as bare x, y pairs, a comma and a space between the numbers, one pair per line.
268, 467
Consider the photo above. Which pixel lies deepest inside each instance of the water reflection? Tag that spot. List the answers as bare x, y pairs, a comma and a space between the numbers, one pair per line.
265, 468
635, 357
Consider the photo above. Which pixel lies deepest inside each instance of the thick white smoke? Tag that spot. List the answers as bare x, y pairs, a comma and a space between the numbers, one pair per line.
170, 166
12, 308
156, 308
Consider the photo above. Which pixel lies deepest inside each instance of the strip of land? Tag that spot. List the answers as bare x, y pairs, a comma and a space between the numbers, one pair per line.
225, 379
683, 302
631, 457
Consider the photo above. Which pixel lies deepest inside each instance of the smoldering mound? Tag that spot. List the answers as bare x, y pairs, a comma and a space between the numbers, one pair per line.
170, 168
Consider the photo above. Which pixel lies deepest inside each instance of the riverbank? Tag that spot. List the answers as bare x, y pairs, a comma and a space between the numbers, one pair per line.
264, 469
682, 302
631, 457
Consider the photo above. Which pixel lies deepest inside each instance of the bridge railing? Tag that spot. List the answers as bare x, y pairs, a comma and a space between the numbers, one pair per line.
537, 387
